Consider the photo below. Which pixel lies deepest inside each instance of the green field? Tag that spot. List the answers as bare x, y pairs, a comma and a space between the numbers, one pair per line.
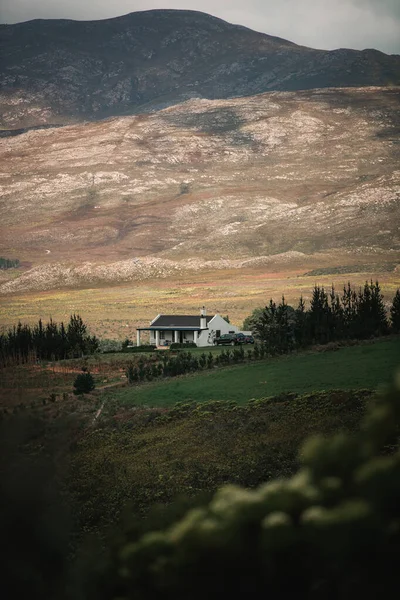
367, 365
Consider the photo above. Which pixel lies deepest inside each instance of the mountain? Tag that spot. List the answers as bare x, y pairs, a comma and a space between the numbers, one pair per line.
62, 71
282, 180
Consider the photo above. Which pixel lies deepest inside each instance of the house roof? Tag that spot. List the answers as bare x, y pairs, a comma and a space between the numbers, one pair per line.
178, 321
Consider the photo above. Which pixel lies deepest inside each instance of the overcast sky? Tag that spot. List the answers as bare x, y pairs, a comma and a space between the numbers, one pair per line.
317, 23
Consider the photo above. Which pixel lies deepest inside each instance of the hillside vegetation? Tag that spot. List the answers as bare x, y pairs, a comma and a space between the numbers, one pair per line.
279, 182
114, 473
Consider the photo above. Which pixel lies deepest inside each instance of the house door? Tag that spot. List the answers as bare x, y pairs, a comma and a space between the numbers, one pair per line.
181, 337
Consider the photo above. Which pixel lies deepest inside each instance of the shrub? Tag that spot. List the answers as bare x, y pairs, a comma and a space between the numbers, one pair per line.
131, 374
155, 371
141, 370
331, 531
83, 384
176, 346
144, 348
107, 346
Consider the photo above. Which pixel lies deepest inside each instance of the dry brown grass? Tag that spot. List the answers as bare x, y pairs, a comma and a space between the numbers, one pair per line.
115, 311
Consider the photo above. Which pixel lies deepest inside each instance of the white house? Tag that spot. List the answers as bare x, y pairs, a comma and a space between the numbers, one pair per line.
202, 329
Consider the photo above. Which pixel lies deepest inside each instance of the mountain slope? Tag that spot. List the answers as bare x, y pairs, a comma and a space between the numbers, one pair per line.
60, 71
279, 179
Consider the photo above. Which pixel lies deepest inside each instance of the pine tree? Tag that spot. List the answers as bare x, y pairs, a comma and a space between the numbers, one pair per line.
372, 319
395, 313
274, 328
319, 316
300, 325
83, 384
336, 319
350, 311
76, 333
379, 316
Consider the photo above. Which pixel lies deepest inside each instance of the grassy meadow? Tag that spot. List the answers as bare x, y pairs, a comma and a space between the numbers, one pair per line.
367, 365
152, 457
114, 312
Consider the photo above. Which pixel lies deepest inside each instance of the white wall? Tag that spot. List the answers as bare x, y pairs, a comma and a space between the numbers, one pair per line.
217, 323
205, 337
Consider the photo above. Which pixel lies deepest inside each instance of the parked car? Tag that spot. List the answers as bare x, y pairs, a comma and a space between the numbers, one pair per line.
233, 339
228, 339
242, 338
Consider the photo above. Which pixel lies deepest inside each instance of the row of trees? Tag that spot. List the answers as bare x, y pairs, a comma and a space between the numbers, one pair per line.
186, 362
355, 314
49, 341
9, 263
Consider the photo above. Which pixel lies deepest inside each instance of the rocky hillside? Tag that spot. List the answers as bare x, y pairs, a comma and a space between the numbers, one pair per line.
61, 71
306, 178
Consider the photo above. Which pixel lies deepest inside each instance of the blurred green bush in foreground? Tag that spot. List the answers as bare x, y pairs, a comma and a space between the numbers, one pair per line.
331, 531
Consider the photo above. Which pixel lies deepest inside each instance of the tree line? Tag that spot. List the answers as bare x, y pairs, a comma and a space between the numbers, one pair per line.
9, 263
146, 369
50, 341
355, 314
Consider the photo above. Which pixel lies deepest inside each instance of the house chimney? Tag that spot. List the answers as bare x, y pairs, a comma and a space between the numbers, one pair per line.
203, 320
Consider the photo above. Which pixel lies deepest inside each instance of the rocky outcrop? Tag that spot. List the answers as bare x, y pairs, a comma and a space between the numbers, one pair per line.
268, 181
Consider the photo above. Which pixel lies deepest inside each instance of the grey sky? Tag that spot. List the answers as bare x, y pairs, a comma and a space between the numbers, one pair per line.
317, 23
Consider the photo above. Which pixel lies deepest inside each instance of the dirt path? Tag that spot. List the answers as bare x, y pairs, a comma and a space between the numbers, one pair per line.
98, 413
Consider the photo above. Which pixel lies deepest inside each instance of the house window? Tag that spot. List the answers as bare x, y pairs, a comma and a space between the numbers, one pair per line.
218, 333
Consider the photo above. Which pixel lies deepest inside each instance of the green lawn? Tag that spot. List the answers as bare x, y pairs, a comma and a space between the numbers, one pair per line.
353, 367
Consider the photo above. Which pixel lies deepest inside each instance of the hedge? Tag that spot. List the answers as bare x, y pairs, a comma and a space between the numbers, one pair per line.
144, 348
176, 345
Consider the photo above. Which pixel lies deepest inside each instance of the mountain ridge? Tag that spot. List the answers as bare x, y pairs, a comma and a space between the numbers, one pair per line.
65, 71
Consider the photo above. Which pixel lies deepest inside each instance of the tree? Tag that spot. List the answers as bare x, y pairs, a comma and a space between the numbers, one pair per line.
79, 341
336, 320
319, 316
250, 322
76, 334
395, 313
350, 311
84, 383
226, 319
275, 329
379, 317
372, 319
300, 324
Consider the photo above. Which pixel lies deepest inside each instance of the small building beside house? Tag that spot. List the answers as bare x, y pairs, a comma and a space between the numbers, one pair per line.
200, 329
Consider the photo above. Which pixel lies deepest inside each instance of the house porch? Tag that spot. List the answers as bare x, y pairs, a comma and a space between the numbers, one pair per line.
167, 336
